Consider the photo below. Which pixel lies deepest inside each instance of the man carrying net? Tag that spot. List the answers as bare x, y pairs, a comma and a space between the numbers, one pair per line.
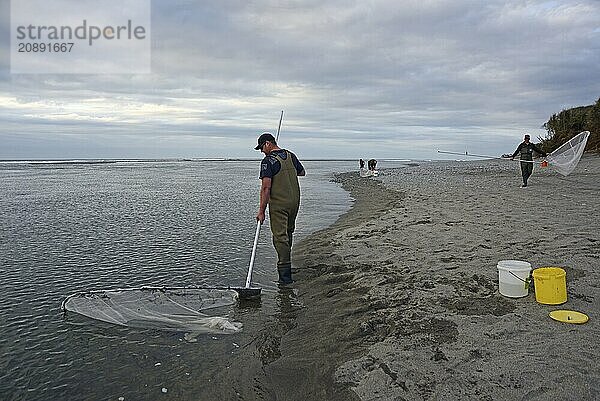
526, 149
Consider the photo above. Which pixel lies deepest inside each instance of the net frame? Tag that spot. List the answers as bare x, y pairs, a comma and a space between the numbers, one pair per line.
161, 308
565, 158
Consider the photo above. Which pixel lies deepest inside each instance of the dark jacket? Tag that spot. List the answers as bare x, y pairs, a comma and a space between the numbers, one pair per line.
526, 150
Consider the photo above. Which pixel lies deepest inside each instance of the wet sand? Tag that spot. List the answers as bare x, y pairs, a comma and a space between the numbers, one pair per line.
398, 300
404, 289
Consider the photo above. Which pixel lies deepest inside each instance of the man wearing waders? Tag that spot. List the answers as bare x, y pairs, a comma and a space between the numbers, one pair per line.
279, 172
526, 149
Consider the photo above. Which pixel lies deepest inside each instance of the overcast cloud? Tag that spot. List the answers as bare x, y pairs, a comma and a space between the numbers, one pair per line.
385, 79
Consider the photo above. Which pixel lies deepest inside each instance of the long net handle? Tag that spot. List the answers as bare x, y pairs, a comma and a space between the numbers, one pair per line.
279, 128
249, 278
489, 157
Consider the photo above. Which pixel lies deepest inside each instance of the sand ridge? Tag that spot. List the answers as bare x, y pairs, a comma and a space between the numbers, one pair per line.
409, 279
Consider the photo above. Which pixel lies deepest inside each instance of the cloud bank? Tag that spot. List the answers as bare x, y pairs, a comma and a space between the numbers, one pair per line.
382, 79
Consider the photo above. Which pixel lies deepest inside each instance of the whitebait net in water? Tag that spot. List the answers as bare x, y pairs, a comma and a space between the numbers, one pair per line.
161, 308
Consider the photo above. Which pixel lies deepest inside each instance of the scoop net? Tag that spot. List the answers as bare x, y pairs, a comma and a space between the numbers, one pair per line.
565, 158
162, 308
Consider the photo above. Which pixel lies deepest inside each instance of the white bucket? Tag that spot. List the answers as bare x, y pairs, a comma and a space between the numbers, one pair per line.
512, 278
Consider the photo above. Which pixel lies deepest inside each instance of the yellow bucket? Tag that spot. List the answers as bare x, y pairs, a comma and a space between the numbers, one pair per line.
550, 285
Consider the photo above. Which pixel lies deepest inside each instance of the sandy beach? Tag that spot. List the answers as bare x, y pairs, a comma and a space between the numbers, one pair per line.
398, 300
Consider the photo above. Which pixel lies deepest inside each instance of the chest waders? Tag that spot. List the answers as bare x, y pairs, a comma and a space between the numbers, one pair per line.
526, 168
283, 209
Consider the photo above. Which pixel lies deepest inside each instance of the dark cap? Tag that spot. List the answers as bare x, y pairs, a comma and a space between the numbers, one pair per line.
264, 137
527, 136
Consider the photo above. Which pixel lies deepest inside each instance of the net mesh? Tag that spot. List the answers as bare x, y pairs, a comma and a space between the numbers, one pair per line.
565, 158
172, 309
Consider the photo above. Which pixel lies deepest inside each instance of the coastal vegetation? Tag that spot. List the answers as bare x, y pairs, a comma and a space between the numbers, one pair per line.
565, 125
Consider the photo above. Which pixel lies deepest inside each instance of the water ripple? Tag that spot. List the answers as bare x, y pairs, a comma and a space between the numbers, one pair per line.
69, 228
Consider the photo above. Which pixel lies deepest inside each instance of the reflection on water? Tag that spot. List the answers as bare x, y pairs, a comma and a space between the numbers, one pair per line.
287, 307
70, 227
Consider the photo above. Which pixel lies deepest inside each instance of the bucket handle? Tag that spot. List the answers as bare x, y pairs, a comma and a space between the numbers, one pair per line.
526, 281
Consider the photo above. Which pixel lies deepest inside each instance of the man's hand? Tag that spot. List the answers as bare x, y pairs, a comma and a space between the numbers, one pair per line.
265, 195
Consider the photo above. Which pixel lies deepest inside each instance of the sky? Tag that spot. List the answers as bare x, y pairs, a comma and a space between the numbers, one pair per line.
384, 79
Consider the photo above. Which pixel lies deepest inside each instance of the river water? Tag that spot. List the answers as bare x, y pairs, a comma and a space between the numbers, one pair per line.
70, 227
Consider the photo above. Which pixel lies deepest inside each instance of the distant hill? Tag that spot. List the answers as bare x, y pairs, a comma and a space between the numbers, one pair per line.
565, 125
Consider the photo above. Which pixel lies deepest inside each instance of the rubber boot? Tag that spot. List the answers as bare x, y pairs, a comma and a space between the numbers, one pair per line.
285, 275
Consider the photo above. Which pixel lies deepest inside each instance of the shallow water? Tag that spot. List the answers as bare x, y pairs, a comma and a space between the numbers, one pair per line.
75, 227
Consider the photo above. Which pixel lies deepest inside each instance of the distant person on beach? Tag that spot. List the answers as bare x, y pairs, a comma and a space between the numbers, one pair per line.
279, 171
362, 164
526, 150
372, 164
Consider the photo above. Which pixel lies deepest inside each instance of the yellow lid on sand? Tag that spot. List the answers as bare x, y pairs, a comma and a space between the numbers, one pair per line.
569, 316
